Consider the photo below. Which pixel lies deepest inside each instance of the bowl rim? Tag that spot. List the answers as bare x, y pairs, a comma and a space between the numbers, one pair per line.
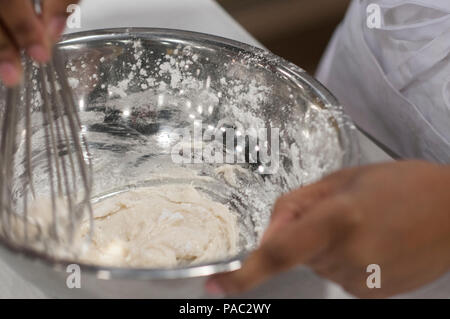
200, 270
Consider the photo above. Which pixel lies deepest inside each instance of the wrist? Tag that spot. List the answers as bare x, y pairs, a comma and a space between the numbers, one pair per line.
447, 167
446, 185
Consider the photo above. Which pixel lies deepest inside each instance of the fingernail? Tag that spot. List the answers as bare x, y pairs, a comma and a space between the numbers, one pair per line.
212, 287
9, 74
56, 27
38, 53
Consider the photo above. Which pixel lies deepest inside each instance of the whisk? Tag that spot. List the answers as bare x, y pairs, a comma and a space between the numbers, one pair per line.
51, 126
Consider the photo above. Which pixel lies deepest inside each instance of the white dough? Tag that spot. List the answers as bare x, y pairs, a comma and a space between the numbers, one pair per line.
228, 172
162, 226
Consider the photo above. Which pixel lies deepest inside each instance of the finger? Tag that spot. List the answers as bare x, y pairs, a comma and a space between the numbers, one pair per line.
24, 28
306, 196
293, 205
284, 211
55, 13
299, 242
10, 66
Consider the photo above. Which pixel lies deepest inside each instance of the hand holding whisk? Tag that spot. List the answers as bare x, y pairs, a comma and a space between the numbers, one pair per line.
50, 127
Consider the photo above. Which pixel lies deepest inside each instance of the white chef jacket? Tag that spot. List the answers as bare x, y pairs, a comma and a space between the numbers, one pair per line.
393, 78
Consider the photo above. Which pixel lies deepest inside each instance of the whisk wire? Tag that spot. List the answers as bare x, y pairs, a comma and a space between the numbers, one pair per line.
28, 184
61, 126
50, 145
68, 166
62, 166
7, 148
74, 123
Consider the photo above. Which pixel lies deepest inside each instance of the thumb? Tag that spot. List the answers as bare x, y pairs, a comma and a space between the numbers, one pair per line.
297, 203
298, 243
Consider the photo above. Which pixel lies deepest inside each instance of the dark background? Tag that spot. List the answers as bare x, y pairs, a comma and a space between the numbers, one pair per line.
297, 30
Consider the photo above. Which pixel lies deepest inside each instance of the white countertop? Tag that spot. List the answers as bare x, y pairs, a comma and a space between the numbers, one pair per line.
192, 15
202, 16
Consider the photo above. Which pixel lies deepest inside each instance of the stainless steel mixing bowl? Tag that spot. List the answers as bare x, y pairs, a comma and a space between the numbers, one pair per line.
138, 89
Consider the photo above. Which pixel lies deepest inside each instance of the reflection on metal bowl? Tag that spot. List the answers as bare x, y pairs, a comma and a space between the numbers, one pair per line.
256, 127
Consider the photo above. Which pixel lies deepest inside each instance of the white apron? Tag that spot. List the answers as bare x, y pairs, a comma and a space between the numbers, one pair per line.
394, 81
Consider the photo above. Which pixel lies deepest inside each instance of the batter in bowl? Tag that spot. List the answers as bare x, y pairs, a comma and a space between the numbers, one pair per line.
161, 226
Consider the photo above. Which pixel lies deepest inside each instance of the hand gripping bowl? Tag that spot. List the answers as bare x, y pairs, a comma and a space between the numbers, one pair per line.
138, 89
